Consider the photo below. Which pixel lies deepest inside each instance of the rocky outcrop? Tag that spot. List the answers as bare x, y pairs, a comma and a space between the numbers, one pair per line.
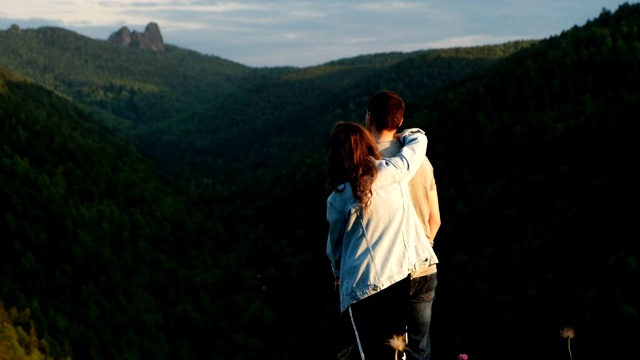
150, 39
121, 37
15, 28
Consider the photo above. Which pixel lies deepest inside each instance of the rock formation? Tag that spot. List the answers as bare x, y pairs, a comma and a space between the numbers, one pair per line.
151, 38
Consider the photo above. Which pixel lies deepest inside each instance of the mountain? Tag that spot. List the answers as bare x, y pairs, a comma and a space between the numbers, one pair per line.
114, 258
179, 106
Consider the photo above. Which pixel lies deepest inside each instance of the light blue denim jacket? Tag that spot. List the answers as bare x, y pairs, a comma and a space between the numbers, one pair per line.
373, 249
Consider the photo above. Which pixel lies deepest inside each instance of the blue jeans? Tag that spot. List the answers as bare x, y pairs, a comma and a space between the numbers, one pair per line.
423, 291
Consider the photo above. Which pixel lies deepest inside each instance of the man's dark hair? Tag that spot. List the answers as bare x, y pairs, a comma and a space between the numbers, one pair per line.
386, 109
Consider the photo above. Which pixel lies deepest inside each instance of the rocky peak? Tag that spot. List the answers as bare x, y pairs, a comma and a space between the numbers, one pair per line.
151, 38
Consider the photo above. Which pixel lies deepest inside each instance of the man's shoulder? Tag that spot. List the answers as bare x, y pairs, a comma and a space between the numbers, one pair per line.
427, 164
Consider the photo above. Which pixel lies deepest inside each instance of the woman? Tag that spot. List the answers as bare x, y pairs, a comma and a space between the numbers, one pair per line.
375, 237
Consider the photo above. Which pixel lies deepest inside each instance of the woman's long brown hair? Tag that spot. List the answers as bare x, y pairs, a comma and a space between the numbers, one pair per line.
351, 159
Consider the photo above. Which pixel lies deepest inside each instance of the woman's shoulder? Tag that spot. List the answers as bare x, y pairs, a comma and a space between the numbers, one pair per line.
342, 192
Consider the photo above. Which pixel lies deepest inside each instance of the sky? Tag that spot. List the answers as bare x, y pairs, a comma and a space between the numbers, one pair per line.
273, 33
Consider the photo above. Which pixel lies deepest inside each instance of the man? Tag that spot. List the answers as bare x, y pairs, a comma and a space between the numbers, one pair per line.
385, 115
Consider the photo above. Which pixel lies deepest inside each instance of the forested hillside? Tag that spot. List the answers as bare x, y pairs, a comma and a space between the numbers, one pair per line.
532, 148
179, 107
136, 86
91, 236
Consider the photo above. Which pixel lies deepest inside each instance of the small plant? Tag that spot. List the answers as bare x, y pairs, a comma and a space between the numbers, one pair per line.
568, 333
398, 343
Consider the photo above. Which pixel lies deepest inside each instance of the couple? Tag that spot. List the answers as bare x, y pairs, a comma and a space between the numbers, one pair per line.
383, 216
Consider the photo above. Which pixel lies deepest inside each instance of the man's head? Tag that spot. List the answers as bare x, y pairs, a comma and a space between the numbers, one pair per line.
385, 111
